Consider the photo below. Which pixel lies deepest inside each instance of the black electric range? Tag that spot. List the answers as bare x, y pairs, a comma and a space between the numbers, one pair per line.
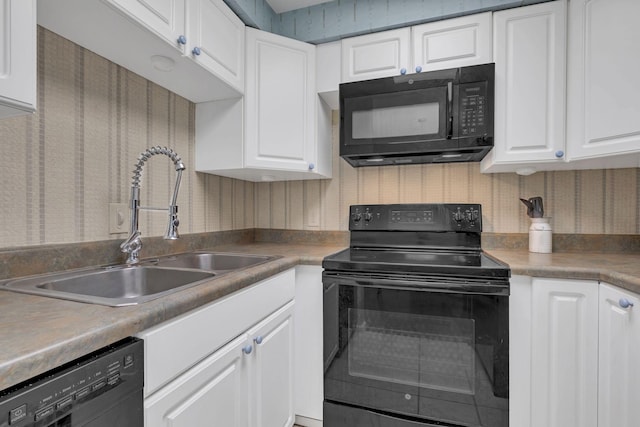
415, 321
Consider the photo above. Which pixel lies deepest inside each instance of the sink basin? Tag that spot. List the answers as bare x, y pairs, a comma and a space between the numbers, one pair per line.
210, 261
134, 284
114, 286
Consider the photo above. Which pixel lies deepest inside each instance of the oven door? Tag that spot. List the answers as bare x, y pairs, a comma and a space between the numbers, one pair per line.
416, 351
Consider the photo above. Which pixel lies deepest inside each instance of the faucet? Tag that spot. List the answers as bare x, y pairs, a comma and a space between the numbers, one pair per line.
133, 243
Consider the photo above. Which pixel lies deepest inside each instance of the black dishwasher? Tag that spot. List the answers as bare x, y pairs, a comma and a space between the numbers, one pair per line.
101, 389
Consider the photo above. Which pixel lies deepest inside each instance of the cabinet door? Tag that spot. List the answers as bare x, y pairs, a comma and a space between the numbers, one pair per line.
603, 90
564, 365
530, 56
17, 57
218, 35
164, 17
280, 103
376, 55
271, 385
452, 43
619, 350
214, 392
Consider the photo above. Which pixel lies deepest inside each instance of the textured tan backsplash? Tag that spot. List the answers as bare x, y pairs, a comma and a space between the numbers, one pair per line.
583, 202
63, 165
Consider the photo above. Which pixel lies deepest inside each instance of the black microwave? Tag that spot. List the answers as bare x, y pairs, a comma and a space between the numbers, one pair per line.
432, 117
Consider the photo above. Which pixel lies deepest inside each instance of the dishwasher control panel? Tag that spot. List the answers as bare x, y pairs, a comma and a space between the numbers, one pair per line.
52, 396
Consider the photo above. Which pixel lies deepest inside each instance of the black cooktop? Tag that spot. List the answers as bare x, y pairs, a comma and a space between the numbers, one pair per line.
434, 239
460, 263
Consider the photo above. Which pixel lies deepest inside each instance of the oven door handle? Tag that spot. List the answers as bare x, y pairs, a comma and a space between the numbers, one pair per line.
434, 284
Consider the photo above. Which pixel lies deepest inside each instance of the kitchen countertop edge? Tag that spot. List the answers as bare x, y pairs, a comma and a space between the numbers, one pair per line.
75, 329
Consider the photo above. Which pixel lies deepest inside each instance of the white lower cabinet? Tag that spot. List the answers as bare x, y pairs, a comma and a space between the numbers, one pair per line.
574, 351
215, 390
618, 357
229, 363
271, 370
564, 344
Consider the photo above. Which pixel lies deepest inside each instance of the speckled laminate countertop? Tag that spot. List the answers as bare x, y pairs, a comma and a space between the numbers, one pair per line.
38, 334
620, 269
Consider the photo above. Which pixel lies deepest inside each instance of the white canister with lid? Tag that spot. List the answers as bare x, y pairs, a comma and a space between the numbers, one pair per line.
540, 235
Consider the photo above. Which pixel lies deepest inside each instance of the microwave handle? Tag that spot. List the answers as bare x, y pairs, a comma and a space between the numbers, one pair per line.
449, 110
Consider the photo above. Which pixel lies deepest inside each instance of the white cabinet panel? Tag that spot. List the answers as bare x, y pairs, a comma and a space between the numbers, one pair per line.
18, 49
520, 351
165, 17
453, 42
530, 57
375, 55
279, 102
309, 372
271, 374
564, 365
280, 130
603, 93
214, 392
143, 37
219, 35
619, 353
162, 363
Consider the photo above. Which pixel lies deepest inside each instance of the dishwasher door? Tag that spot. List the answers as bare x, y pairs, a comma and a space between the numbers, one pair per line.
101, 389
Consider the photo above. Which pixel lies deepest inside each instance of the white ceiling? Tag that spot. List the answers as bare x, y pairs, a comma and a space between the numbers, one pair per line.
280, 6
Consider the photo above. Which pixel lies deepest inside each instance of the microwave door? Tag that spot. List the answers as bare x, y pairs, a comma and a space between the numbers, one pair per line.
405, 117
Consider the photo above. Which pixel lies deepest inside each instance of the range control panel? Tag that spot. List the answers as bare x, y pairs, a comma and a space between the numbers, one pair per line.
464, 217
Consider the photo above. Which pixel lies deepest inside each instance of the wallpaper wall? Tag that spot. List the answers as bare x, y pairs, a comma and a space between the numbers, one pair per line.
585, 202
62, 166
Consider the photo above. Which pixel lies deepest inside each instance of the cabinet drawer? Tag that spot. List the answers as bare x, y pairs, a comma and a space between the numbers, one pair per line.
176, 345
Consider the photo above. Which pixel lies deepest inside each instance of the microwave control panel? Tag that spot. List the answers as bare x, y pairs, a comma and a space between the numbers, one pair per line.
473, 113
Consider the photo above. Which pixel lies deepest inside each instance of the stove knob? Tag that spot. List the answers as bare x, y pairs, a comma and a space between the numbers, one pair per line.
356, 217
367, 216
458, 216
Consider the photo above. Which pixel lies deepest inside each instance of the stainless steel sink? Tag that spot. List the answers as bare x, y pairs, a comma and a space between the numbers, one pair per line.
210, 261
114, 286
122, 285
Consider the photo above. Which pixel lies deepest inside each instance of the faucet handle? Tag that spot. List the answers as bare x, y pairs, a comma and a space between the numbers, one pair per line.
132, 246
174, 222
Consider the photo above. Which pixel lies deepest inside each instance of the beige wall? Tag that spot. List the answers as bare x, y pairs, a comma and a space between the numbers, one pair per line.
585, 202
62, 166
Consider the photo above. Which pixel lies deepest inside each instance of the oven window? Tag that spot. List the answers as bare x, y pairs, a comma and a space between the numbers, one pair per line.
432, 355
403, 120
425, 351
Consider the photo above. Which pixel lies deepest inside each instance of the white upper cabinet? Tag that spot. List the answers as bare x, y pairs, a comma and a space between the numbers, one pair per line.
279, 102
619, 352
530, 57
375, 55
452, 43
18, 47
157, 39
603, 90
216, 40
280, 130
165, 17
433, 46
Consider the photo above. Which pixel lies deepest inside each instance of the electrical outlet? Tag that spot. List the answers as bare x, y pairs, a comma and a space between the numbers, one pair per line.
118, 213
